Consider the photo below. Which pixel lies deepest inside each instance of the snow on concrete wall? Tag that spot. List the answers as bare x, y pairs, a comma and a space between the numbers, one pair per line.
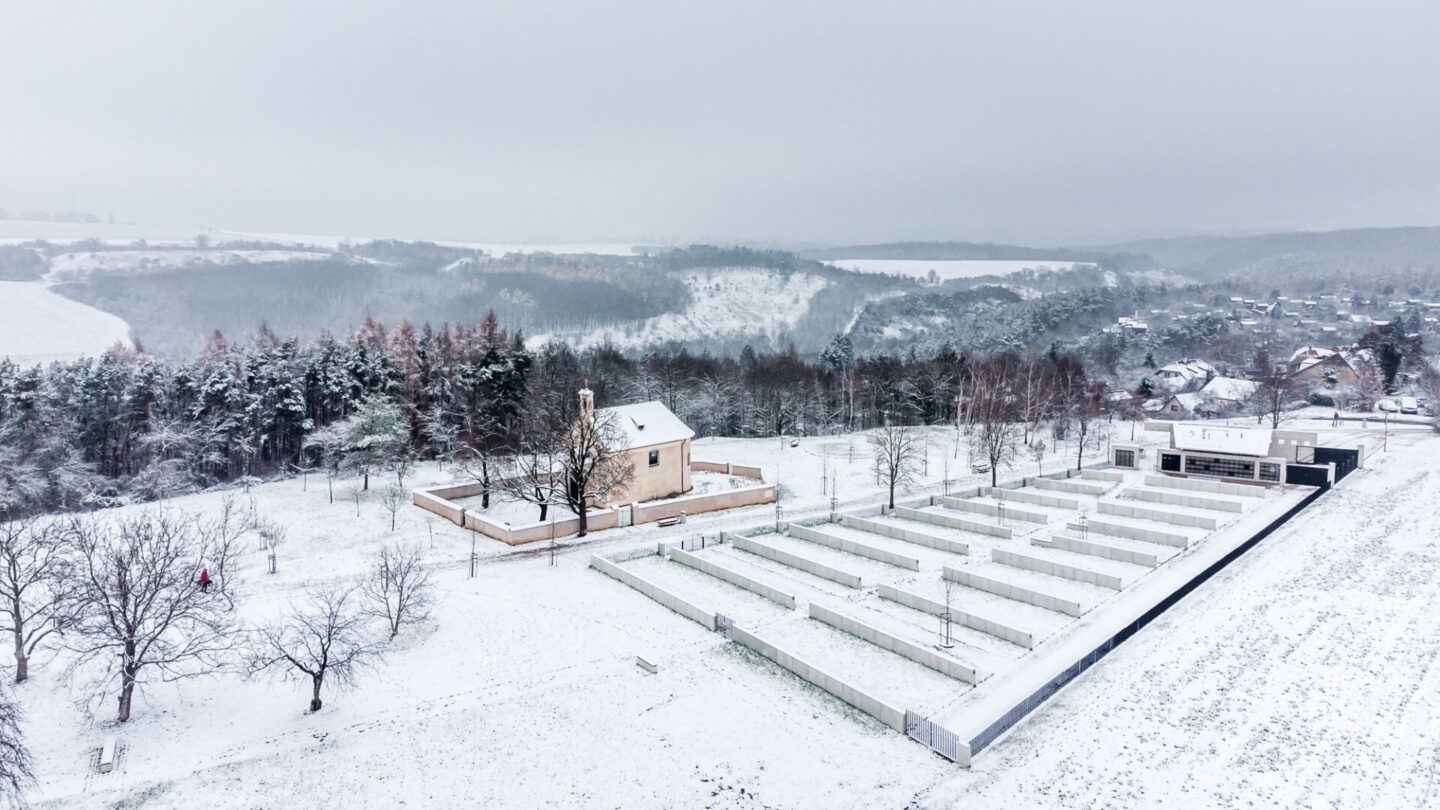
1182, 499
905, 649
1156, 514
963, 618
1076, 487
1026, 496
951, 521
1065, 542
908, 535
733, 577
994, 510
687, 609
806, 564
1202, 485
1026, 562
849, 546
1093, 526
1010, 590
875, 707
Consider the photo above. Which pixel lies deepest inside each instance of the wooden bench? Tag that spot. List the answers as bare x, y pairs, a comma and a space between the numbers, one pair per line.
674, 520
646, 665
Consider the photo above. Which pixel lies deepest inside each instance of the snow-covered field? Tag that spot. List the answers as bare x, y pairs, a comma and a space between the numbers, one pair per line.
68, 266
724, 304
920, 268
40, 326
1303, 675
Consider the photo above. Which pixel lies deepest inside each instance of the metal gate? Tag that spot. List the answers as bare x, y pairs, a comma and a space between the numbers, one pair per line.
940, 740
623, 517
724, 625
697, 542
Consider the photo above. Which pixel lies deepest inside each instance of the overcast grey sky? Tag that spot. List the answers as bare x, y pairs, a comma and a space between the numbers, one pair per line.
826, 121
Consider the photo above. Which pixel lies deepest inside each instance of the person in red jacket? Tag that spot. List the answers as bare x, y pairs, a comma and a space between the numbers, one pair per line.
204, 579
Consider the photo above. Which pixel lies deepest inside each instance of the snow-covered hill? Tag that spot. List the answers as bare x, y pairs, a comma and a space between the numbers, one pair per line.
729, 303
38, 326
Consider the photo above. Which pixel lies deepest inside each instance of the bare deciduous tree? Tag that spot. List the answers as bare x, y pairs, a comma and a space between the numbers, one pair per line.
896, 452
32, 579
592, 460
15, 769
322, 639
394, 499
137, 599
398, 588
991, 410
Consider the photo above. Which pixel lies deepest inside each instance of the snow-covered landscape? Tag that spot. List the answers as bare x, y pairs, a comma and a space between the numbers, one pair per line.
40, 326
719, 407
946, 270
1302, 653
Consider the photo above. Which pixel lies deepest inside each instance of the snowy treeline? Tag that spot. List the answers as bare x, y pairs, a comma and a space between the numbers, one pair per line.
126, 426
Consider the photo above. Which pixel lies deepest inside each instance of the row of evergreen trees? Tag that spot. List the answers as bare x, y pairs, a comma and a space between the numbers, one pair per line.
126, 426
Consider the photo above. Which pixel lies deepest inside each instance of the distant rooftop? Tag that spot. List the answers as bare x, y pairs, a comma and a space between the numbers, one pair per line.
1212, 439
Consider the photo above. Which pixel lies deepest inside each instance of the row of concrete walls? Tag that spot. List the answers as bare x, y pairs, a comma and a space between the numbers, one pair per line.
994, 510
1037, 498
806, 564
1011, 591
951, 521
921, 655
1076, 487
1183, 499
1066, 542
659, 594
908, 535
733, 577
873, 706
1202, 485
1103, 475
1156, 514
1055, 569
963, 618
1131, 533
849, 546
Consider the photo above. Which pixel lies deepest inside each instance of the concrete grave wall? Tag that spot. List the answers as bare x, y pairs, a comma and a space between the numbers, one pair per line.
952, 521
845, 544
1066, 542
1093, 527
1156, 514
1011, 591
805, 564
908, 535
685, 608
963, 618
994, 510
875, 707
1026, 496
732, 576
906, 649
1183, 499
1026, 562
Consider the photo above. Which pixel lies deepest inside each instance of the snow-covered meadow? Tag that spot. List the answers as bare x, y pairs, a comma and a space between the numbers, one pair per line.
522, 690
40, 326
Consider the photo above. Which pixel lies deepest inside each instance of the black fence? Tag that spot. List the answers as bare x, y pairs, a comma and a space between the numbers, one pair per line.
1345, 461
1042, 694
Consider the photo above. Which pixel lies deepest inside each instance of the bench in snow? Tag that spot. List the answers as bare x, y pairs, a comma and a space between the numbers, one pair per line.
107, 754
646, 665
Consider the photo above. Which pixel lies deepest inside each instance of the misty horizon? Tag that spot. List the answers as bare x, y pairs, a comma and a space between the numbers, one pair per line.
859, 124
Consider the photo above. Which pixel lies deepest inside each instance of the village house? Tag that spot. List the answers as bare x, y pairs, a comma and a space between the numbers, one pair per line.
1313, 365
1184, 374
